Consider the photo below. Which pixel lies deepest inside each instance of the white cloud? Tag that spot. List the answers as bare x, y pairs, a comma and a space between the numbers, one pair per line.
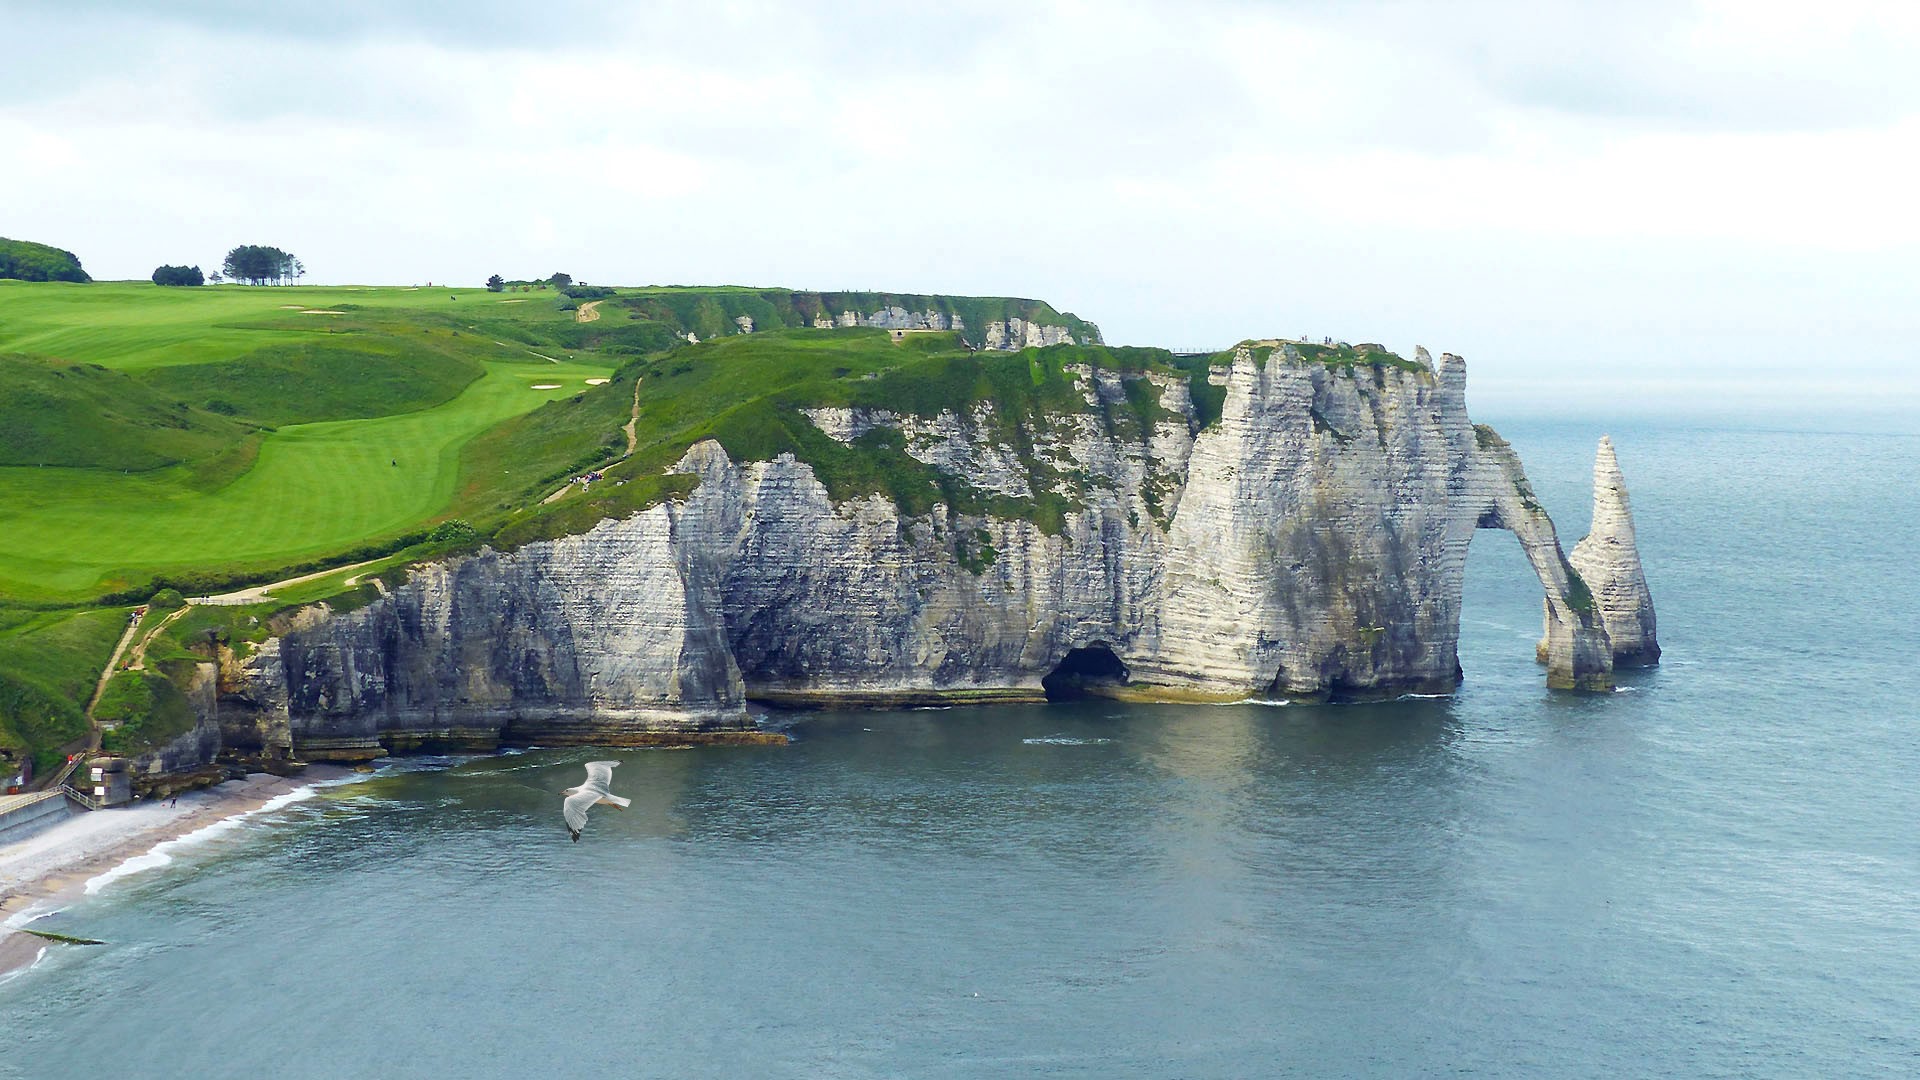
1607, 188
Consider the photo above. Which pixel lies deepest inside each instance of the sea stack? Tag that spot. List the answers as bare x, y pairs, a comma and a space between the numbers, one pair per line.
1609, 561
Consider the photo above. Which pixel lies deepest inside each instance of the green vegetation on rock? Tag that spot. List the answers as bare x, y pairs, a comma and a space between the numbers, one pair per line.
750, 393
142, 710
1348, 356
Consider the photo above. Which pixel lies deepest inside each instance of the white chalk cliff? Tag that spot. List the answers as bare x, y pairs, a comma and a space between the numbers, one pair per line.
1609, 561
1308, 543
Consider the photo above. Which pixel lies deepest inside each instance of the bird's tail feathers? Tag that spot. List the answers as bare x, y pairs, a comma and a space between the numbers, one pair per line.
614, 800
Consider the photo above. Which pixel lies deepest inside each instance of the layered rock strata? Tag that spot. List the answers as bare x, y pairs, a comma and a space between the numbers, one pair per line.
1008, 334
1609, 561
1309, 543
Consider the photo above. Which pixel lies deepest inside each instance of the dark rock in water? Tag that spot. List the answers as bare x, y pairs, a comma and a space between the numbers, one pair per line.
61, 938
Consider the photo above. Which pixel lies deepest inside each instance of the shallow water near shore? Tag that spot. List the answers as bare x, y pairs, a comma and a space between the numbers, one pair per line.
1715, 872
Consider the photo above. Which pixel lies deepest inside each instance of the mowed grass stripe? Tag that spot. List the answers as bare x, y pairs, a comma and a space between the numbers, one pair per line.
315, 489
131, 326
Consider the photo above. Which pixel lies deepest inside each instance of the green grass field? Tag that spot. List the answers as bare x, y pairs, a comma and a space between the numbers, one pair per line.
313, 488
134, 326
226, 432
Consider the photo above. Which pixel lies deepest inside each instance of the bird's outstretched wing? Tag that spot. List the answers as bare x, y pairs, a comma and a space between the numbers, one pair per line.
574, 809
600, 772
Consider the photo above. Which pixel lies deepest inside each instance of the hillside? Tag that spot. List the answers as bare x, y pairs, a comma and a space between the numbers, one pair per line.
24, 260
754, 395
841, 518
962, 510
219, 435
208, 438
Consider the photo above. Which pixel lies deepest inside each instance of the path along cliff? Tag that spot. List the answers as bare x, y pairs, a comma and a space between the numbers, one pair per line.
1309, 542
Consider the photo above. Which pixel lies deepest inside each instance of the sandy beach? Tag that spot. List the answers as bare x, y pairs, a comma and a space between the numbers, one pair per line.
50, 869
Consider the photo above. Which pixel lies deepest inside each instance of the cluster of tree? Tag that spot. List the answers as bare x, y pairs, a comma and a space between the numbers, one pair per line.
25, 260
496, 283
178, 275
259, 265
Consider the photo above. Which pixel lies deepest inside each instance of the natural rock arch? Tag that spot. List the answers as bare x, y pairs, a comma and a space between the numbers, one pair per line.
1574, 647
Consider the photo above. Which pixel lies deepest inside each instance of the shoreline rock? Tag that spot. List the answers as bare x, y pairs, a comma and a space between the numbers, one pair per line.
1309, 544
1609, 561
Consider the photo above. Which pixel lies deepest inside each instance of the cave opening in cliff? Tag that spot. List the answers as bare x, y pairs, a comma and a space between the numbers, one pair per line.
1085, 673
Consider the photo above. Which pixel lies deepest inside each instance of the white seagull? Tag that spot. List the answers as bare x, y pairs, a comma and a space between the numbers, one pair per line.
592, 793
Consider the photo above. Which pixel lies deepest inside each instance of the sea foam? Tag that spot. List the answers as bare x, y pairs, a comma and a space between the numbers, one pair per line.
1063, 740
162, 853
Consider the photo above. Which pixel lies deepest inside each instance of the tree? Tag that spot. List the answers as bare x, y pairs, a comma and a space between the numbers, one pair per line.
496, 283
215, 278
28, 261
560, 281
178, 275
258, 265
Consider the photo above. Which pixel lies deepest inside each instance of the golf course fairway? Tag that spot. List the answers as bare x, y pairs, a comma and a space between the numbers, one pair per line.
314, 488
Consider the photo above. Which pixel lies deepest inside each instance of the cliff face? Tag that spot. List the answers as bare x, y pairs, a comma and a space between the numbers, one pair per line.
1309, 543
568, 641
1609, 560
1009, 334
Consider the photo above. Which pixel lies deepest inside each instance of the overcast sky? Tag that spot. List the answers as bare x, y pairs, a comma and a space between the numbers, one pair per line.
1632, 198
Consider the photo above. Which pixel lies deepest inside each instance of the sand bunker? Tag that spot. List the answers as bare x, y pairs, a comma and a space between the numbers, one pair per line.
596, 382
320, 311
519, 301
289, 307
546, 386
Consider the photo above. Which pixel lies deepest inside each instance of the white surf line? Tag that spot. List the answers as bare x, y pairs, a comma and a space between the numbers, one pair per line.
159, 856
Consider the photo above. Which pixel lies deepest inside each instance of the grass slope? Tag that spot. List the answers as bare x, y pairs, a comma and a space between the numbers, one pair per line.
55, 413
749, 393
310, 381
312, 489
211, 433
49, 662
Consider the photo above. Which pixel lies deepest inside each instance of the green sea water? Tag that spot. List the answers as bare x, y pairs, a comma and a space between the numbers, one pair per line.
1714, 872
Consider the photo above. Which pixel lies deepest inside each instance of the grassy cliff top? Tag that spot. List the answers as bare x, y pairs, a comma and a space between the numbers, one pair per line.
751, 394
201, 436
207, 438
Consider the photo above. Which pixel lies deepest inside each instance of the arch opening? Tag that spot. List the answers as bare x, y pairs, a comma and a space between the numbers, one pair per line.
1083, 673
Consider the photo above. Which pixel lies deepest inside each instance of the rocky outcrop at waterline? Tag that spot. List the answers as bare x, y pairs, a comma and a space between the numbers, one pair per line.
1308, 540
1609, 561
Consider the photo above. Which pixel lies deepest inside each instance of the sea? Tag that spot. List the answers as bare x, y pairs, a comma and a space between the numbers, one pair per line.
1713, 872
